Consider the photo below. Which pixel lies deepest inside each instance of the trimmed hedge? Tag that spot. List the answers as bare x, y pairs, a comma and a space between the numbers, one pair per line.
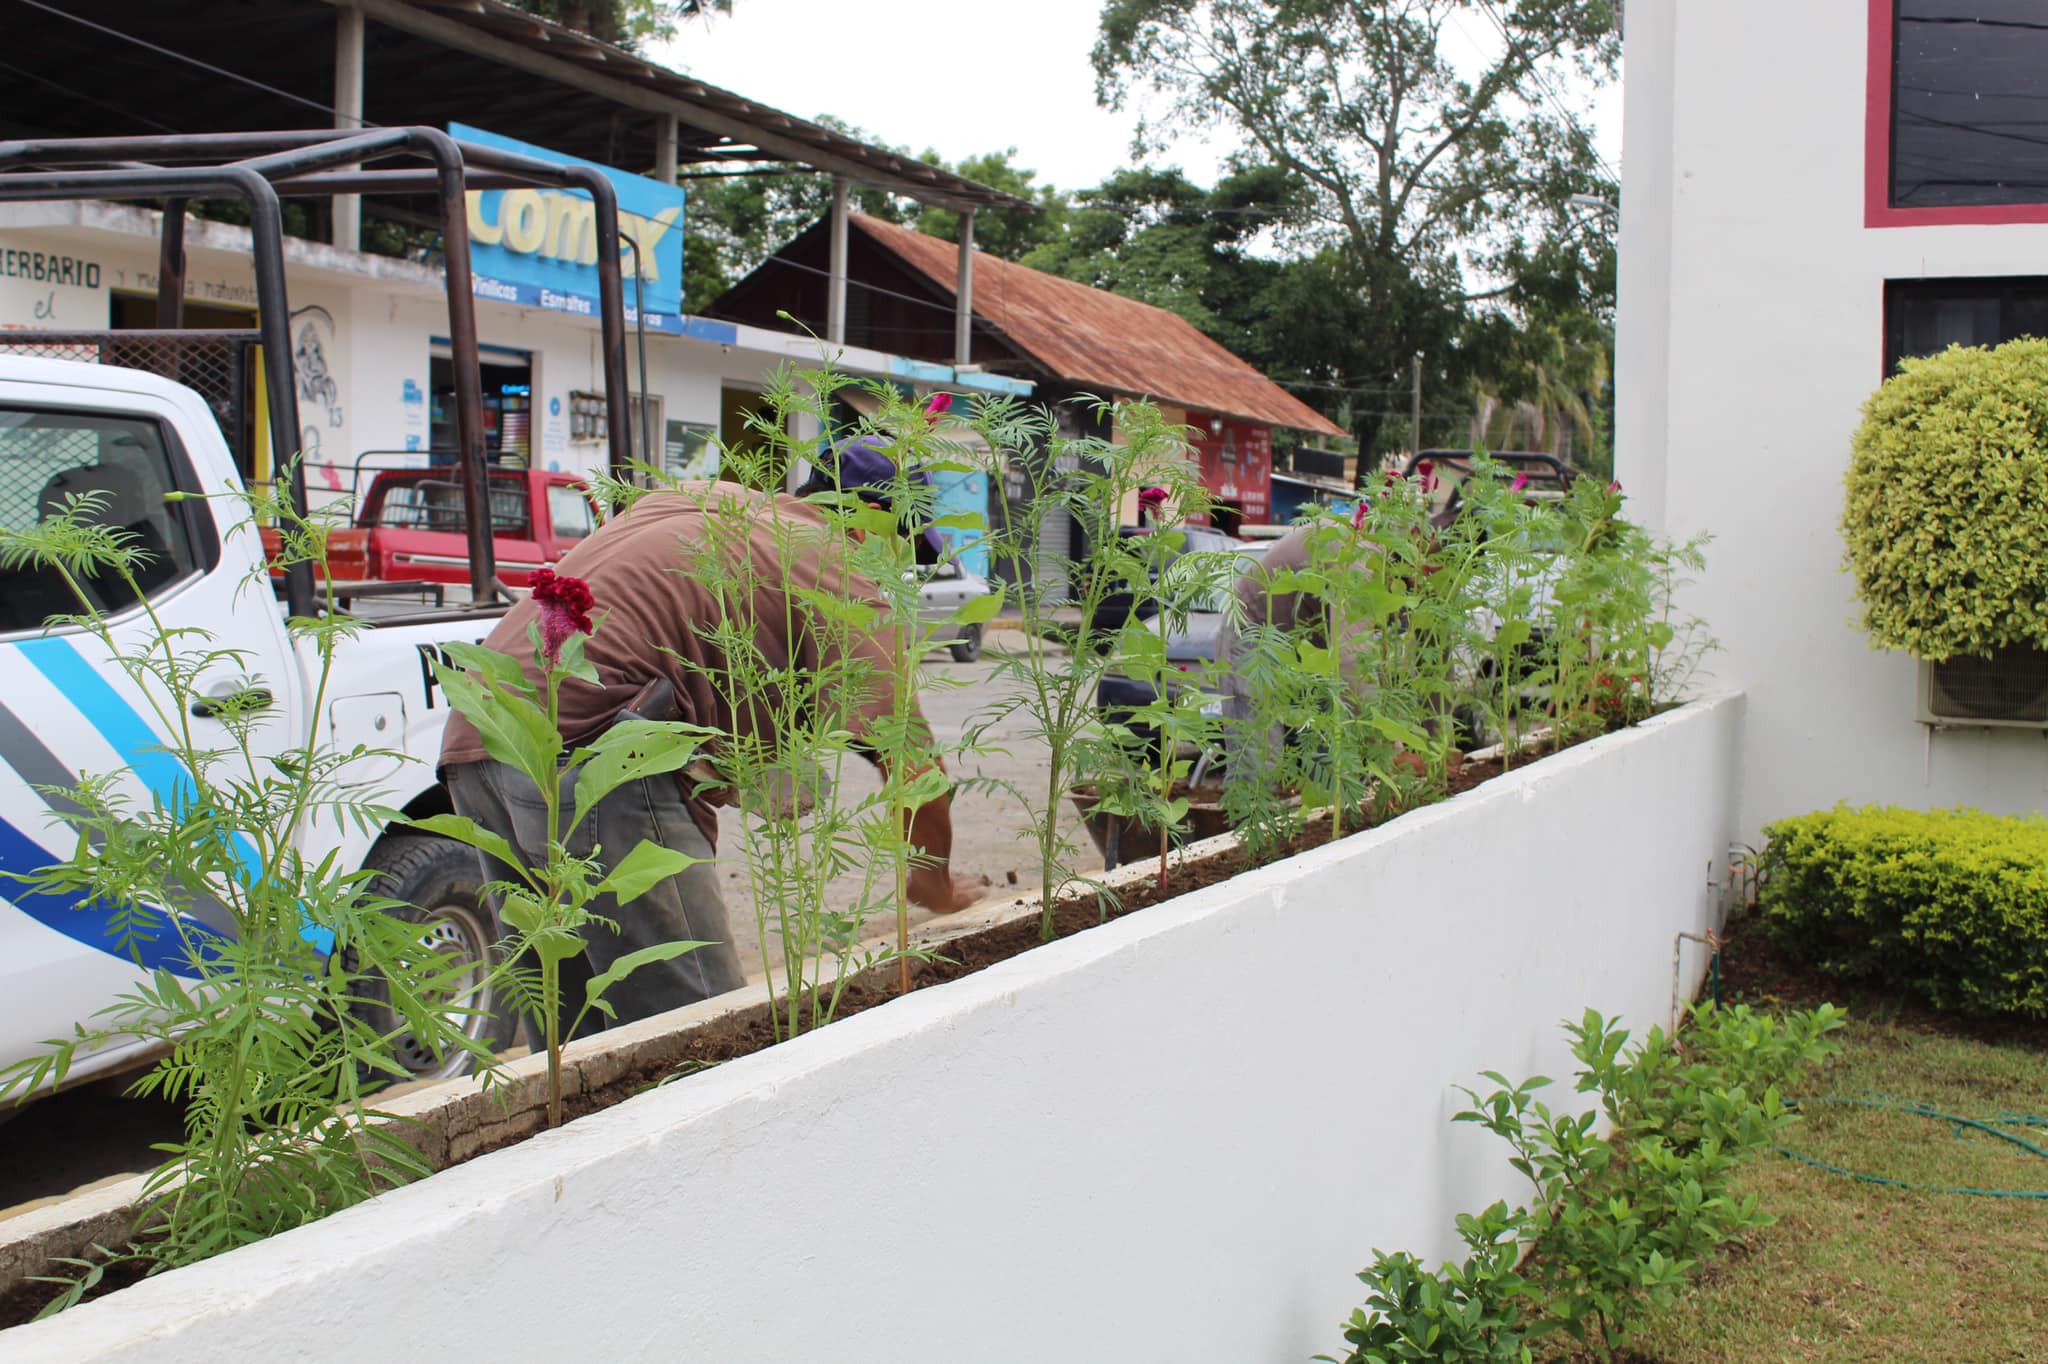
1948, 905
1945, 519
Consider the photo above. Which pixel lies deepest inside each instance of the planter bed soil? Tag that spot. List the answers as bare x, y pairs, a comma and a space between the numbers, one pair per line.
750, 1029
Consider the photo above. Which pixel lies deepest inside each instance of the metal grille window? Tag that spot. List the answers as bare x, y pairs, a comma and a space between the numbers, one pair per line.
436, 504
1969, 81
118, 471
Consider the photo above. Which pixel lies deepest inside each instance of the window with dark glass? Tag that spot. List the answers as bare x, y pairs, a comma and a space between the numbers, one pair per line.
1969, 103
108, 470
1923, 316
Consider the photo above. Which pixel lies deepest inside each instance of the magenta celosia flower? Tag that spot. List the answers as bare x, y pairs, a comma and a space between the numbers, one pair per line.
1615, 486
1358, 514
1521, 482
1425, 472
937, 406
564, 605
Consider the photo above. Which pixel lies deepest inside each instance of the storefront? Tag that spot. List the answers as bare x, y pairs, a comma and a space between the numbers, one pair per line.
1237, 468
370, 333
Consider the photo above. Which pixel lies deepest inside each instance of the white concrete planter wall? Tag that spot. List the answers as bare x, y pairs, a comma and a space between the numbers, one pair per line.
1173, 1137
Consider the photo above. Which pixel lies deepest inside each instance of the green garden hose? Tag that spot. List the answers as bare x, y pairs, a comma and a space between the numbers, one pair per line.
1995, 1124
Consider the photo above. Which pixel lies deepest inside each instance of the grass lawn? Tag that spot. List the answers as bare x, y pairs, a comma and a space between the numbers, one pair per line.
1854, 1271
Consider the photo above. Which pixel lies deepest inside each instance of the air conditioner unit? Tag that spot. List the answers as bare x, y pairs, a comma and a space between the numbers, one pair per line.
2008, 690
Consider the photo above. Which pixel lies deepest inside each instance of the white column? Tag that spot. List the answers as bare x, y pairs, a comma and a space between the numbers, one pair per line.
835, 286
665, 148
348, 113
963, 303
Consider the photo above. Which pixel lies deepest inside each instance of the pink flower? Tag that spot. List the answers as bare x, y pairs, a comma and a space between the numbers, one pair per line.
1521, 482
1426, 472
564, 604
937, 405
1615, 486
1358, 514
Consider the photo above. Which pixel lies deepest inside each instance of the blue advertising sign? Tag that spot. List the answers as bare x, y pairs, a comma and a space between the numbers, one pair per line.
538, 246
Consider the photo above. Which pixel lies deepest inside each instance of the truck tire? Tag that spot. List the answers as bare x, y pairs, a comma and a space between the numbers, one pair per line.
441, 885
967, 648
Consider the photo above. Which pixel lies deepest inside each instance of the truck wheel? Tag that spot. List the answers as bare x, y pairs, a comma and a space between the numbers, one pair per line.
441, 886
968, 647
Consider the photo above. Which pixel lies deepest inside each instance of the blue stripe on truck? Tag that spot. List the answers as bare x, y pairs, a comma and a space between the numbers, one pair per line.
156, 943
58, 660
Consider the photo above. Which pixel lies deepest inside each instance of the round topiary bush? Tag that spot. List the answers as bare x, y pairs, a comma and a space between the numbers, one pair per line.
1946, 518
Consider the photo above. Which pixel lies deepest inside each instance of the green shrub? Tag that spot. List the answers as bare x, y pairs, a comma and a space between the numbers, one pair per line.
1944, 520
1949, 905
1618, 1220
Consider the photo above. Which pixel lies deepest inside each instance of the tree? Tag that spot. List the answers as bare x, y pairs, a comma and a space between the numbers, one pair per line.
626, 23
1430, 195
1010, 233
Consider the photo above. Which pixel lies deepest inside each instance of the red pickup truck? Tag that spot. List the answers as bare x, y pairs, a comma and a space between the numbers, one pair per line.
412, 526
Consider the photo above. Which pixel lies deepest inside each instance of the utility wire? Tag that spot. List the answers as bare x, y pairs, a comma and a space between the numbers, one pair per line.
1543, 86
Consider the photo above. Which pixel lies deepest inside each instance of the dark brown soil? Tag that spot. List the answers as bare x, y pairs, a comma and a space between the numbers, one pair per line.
1756, 971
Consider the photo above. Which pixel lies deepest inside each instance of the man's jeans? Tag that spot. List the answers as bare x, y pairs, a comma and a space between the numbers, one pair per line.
686, 906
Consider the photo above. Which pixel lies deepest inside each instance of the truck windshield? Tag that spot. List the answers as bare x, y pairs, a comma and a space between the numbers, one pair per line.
116, 471
435, 503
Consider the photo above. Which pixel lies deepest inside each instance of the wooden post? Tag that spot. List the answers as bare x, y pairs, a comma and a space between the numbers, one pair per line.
348, 113
835, 286
963, 302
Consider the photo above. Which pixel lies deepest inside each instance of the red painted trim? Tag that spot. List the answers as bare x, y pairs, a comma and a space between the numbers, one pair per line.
1877, 150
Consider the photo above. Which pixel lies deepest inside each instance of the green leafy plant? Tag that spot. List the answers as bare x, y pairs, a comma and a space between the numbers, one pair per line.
1950, 906
1943, 519
1619, 1218
1468, 1313
266, 1022
1058, 667
547, 906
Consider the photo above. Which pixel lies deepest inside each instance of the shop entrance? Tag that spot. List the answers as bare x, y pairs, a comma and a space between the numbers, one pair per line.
508, 404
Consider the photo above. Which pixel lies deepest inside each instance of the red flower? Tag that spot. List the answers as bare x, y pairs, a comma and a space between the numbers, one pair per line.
1358, 514
1426, 473
564, 605
1615, 486
936, 406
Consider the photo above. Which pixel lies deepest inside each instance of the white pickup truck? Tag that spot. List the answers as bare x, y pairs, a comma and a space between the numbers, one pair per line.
66, 710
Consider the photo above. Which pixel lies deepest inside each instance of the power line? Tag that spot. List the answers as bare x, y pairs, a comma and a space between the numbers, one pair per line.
1543, 86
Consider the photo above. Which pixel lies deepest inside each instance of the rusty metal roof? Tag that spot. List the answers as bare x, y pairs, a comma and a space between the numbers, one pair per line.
1101, 340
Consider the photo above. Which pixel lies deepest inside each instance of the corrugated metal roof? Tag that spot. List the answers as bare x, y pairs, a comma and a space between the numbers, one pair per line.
1102, 340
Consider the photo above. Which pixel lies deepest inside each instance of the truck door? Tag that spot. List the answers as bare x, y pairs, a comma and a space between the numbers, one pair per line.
68, 709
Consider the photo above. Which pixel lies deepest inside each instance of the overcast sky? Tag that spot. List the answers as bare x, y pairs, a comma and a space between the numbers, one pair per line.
960, 76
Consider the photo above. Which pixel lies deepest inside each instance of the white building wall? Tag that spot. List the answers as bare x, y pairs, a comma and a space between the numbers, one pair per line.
1751, 330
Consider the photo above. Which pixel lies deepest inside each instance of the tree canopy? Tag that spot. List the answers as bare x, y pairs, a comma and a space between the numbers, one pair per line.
1437, 181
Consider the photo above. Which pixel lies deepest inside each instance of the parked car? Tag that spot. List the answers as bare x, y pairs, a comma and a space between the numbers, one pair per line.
1191, 646
129, 437
1115, 607
944, 590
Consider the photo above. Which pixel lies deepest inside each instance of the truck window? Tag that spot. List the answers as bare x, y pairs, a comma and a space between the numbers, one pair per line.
436, 504
120, 464
569, 510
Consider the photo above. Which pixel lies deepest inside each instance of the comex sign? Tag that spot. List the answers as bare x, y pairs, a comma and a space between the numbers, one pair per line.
539, 246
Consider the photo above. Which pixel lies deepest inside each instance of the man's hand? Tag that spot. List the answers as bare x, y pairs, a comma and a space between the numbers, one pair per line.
942, 892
